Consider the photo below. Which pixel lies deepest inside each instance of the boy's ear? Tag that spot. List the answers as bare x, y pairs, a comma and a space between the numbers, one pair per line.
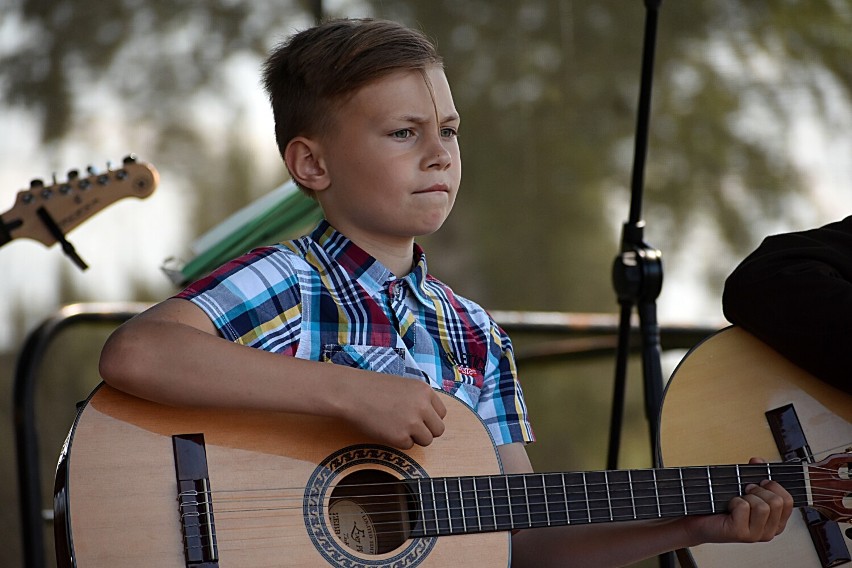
303, 157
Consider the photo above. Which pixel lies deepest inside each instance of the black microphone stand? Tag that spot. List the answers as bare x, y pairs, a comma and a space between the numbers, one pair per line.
637, 276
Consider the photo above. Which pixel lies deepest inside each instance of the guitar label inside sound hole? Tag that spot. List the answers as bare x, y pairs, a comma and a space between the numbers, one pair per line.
371, 512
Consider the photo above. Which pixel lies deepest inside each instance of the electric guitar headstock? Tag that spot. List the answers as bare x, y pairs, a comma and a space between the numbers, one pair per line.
46, 213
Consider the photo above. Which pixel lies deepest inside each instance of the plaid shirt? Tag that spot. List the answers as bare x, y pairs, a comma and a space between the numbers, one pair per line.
321, 297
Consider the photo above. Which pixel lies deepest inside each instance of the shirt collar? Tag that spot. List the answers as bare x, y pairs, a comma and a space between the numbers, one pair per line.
368, 271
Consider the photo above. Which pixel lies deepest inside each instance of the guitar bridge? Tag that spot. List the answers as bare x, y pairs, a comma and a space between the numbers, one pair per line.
195, 501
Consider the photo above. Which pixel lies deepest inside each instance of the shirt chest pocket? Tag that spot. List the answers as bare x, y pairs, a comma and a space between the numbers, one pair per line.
381, 359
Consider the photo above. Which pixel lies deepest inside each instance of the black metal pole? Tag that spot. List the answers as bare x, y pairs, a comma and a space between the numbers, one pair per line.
637, 276
637, 271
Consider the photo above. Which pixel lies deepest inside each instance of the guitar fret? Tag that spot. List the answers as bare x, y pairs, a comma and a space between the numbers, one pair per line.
565, 497
424, 515
503, 505
671, 492
710, 487
518, 502
608, 495
553, 491
476, 500
725, 483
440, 501
447, 501
493, 509
620, 493
682, 490
632, 496
485, 515
586, 493
537, 507
698, 491
461, 498
470, 504
643, 492
657, 494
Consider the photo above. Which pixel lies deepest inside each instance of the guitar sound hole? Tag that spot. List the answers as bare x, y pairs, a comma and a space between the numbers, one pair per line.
372, 512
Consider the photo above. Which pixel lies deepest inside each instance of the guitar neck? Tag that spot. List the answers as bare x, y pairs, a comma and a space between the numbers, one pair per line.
458, 505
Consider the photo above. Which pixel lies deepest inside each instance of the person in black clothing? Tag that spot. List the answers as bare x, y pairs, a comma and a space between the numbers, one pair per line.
794, 292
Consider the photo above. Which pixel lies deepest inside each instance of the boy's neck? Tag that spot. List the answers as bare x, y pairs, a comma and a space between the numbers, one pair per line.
396, 254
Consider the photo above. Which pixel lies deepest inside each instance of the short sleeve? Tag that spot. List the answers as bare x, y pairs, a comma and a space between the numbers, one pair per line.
501, 404
254, 300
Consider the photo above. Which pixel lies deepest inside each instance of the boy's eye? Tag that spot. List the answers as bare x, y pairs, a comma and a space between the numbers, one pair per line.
402, 134
448, 132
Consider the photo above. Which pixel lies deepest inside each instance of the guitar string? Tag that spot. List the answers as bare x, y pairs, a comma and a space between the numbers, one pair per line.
218, 512
383, 532
757, 470
697, 488
223, 516
509, 500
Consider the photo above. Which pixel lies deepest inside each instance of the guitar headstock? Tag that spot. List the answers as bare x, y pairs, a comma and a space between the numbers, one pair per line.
831, 486
74, 200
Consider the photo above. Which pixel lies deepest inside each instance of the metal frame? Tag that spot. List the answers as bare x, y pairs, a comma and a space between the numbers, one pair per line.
26, 437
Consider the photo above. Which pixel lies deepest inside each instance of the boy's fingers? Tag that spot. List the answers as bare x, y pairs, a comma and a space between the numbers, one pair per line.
438, 404
422, 437
769, 511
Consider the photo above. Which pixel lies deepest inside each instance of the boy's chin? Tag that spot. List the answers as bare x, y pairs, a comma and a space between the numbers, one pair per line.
427, 229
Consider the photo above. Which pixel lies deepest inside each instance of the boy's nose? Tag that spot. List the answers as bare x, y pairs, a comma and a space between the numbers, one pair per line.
438, 155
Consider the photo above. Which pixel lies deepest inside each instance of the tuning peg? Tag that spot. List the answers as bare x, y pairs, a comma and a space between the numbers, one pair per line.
37, 186
73, 174
130, 159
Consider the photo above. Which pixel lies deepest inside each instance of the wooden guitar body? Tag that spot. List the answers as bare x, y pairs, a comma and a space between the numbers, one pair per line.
117, 487
713, 412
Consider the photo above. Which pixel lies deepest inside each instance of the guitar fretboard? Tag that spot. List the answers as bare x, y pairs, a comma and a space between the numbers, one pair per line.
459, 505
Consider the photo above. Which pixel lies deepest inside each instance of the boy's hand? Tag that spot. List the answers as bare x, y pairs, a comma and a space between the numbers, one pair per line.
397, 411
758, 516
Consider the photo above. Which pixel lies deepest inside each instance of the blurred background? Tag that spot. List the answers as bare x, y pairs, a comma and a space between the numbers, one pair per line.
751, 133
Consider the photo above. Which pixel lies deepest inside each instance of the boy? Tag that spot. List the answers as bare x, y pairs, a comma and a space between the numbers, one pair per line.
366, 123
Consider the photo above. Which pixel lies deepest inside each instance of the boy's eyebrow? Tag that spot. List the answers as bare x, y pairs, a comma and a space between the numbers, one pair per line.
420, 119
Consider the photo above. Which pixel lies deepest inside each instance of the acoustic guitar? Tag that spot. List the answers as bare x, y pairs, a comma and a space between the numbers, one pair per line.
142, 484
715, 410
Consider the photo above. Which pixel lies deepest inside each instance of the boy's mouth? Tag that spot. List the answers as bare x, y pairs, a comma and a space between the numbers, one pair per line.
437, 188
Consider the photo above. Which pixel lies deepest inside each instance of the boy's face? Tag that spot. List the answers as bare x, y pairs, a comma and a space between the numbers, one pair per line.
392, 159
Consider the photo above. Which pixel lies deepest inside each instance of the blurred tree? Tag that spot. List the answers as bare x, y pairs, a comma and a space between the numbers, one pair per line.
547, 89
548, 93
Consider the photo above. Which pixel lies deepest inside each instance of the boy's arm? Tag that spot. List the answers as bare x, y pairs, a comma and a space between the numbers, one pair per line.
758, 516
173, 354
